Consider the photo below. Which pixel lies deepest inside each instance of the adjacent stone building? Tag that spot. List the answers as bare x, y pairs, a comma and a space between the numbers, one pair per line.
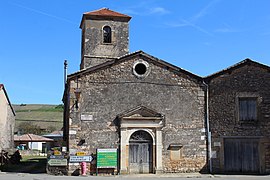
157, 115
7, 121
239, 113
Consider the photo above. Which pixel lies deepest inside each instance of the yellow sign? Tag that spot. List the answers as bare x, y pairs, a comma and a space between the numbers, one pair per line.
57, 153
80, 153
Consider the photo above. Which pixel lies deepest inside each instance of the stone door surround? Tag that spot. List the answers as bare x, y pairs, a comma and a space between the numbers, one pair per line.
140, 119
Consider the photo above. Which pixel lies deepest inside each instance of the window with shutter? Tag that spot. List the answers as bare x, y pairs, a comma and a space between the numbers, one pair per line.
247, 109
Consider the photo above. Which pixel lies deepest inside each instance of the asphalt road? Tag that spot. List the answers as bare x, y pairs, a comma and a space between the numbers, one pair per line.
26, 176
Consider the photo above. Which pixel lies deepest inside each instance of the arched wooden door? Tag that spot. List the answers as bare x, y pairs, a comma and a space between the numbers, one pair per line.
141, 152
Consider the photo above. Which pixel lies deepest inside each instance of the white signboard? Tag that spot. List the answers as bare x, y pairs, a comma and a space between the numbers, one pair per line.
217, 144
80, 158
86, 117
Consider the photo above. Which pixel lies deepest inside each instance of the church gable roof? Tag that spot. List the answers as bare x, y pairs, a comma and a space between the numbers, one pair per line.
237, 66
150, 58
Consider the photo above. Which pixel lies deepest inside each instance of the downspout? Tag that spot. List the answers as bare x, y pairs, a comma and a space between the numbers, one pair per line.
209, 139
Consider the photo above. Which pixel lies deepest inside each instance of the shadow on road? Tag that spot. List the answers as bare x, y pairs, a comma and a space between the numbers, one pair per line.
33, 166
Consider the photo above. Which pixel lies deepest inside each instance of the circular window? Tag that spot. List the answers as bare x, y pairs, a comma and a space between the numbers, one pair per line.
141, 68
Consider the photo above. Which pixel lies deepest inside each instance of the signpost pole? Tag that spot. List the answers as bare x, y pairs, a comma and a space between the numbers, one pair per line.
96, 163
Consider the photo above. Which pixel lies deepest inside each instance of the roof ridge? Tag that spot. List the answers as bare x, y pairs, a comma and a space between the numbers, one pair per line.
106, 12
160, 61
246, 60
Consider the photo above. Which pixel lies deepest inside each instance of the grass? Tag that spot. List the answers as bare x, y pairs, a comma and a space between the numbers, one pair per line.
39, 108
42, 115
29, 164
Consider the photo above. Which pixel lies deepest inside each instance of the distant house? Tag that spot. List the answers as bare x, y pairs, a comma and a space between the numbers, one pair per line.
33, 142
57, 136
7, 120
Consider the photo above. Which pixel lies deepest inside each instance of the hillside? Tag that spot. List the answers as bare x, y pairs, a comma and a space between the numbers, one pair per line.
45, 117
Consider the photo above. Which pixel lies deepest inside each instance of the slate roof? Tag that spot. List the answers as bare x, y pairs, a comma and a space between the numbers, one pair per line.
54, 134
130, 55
246, 61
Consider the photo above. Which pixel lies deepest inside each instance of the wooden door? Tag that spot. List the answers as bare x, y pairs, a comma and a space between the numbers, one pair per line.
241, 155
140, 158
140, 153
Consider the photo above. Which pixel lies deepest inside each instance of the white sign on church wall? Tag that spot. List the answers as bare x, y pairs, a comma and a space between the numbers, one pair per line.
86, 117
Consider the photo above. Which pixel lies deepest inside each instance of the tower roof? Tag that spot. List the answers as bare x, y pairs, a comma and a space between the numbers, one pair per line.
104, 13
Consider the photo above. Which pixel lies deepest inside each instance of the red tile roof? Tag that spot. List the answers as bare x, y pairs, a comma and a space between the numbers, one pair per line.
31, 138
106, 12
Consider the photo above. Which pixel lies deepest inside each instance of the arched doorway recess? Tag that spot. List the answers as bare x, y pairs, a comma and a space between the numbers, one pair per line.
141, 152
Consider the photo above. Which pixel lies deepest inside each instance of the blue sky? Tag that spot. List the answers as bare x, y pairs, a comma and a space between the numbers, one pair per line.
201, 36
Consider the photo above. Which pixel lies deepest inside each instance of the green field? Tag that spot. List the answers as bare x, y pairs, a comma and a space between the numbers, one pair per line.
47, 117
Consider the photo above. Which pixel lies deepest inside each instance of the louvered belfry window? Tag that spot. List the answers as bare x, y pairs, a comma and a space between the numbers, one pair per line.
247, 109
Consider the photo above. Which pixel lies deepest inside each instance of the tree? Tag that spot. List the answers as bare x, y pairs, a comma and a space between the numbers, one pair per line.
29, 128
51, 128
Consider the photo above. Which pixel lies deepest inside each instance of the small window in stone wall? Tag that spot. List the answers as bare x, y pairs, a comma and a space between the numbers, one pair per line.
175, 151
247, 109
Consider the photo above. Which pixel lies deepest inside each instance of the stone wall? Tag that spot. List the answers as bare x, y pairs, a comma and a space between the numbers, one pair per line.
249, 80
115, 89
7, 122
94, 51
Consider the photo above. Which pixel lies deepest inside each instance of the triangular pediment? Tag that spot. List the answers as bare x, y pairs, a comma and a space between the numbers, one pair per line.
140, 111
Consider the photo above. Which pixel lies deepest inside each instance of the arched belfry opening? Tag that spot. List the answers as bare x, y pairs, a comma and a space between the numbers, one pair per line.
141, 152
107, 34
140, 141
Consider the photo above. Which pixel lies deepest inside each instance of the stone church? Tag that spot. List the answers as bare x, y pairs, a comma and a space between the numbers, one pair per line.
160, 116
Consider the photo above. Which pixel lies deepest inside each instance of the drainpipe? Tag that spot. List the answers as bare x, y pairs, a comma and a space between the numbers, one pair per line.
209, 139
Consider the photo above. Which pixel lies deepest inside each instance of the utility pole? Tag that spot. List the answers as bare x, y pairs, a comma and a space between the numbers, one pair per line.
65, 72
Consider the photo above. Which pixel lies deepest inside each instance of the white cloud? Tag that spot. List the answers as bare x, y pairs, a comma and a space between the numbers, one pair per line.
204, 10
158, 10
145, 8
145, 11
192, 21
227, 29
43, 13
186, 23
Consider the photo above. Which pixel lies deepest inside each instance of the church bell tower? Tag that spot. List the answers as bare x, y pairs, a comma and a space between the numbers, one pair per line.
105, 36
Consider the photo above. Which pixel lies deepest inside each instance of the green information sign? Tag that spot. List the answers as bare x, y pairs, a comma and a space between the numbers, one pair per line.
106, 158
